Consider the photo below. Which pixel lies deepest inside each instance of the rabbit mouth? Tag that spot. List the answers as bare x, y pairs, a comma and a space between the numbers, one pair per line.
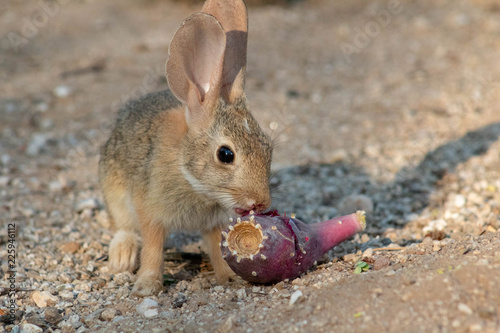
249, 206
241, 211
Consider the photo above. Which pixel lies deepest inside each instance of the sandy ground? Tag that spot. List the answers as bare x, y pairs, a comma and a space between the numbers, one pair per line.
385, 105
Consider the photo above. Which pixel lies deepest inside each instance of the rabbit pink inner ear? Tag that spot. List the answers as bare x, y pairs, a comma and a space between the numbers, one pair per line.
232, 15
195, 63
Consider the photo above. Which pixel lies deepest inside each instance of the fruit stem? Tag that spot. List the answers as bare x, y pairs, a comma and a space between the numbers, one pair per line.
332, 232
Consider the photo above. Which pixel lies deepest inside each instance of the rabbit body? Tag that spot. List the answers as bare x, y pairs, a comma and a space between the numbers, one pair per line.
190, 157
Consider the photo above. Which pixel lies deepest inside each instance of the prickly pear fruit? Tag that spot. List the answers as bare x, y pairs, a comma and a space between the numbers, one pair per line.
268, 248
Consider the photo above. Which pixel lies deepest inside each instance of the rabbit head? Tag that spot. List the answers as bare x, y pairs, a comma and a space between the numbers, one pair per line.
225, 155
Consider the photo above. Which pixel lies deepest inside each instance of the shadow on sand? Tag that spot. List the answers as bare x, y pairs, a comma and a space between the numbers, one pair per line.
311, 190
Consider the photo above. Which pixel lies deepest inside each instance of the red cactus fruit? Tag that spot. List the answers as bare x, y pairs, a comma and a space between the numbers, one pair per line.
268, 248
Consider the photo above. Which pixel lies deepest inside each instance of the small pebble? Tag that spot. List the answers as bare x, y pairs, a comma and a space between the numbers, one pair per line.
380, 263
65, 278
296, 296
91, 317
38, 141
30, 328
459, 201
67, 294
55, 186
42, 107
280, 285
219, 289
285, 294
351, 257
44, 299
70, 247
464, 308
123, 278
227, 325
90, 203
4, 181
256, 289
74, 321
5, 159
476, 328
83, 297
368, 253
108, 314
98, 282
28, 212
241, 293
35, 319
179, 300
62, 91
167, 314
406, 297
427, 242
182, 285
150, 313
52, 315
434, 225
145, 305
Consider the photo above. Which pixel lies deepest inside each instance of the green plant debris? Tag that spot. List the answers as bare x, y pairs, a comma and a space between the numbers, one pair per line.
360, 267
168, 280
358, 314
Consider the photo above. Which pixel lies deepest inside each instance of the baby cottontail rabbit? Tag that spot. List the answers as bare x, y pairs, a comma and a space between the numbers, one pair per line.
189, 157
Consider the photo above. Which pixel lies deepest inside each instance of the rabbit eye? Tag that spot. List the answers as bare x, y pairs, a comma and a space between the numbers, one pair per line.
225, 155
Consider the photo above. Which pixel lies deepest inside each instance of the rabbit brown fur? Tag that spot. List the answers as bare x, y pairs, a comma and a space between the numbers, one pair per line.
161, 168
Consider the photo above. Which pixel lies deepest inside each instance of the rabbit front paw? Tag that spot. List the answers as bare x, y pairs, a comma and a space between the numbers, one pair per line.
147, 286
123, 252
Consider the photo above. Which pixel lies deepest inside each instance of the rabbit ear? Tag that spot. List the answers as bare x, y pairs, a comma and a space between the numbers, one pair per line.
194, 66
232, 14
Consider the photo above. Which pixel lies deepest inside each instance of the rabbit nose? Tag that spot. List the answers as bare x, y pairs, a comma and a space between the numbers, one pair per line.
259, 204
264, 205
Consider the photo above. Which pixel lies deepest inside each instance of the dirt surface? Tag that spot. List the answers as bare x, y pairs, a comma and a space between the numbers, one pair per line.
386, 106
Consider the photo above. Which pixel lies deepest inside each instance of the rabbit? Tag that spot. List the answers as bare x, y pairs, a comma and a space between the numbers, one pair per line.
190, 157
